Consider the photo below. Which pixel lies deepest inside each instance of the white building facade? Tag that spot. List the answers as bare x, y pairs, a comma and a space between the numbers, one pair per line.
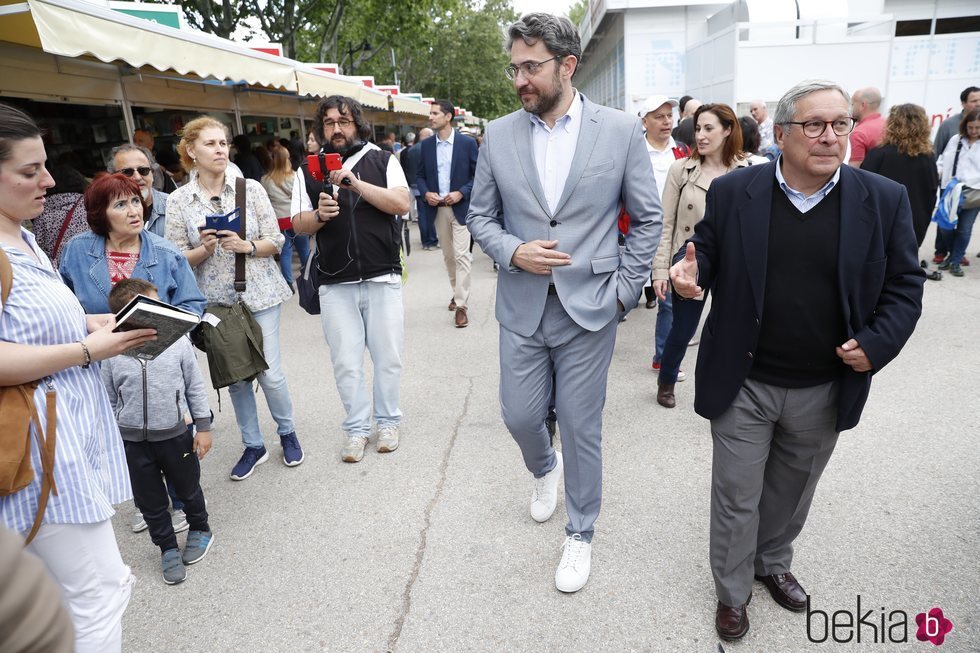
921, 51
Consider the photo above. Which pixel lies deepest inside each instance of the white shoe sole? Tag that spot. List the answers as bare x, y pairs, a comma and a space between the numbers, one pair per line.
298, 462
258, 462
575, 586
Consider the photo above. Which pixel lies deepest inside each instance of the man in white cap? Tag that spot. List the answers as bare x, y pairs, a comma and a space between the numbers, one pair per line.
657, 115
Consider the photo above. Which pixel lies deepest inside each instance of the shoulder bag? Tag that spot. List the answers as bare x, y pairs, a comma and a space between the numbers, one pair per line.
17, 415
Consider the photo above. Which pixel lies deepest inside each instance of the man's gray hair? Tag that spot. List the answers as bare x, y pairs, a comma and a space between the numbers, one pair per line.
786, 109
410, 137
558, 33
129, 147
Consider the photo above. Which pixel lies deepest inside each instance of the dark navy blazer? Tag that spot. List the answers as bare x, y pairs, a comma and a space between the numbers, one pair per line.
879, 280
465, 152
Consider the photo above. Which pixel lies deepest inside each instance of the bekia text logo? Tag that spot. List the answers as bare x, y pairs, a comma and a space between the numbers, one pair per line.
881, 626
933, 626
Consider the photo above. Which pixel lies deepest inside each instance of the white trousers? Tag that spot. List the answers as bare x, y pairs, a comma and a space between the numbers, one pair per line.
85, 562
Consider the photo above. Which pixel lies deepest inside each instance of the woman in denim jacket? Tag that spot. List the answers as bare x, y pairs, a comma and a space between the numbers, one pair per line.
119, 248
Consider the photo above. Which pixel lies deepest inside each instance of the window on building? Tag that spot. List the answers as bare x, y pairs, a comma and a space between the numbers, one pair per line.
913, 27
959, 25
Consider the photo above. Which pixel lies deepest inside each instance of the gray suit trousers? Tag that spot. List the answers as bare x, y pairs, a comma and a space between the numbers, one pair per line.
579, 360
770, 448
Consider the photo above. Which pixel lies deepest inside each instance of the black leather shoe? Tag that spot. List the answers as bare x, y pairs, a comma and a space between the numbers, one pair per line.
732, 623
785, 591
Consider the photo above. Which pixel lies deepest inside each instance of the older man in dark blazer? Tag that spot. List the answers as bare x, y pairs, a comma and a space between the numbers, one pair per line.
445, 181
816, 285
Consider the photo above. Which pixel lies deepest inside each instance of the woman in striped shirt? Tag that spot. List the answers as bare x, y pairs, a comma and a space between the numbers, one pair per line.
45, 335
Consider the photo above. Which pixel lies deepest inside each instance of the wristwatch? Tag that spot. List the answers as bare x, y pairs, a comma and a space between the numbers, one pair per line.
252, 243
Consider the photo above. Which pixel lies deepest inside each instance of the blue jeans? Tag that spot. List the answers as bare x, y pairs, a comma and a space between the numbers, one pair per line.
363, 315
687, 314
302, 242
959, 239
665, 317
273, 383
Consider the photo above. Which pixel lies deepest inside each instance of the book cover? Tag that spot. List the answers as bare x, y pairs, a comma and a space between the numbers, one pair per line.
144, 312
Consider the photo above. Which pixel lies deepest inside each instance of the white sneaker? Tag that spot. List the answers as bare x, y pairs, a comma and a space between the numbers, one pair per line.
575, 566
138, 524
544, 495
680, 375
353, 449
180, 521
387, 439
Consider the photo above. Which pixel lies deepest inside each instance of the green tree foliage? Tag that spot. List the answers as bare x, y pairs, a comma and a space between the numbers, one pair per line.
441, 48
577, 12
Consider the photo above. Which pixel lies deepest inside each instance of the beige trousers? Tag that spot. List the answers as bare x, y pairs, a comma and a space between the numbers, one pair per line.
454, 239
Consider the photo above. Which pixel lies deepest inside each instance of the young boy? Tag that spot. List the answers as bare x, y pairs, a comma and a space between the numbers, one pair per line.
146, 397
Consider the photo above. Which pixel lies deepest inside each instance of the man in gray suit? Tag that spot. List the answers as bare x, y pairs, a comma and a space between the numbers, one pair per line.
549, 184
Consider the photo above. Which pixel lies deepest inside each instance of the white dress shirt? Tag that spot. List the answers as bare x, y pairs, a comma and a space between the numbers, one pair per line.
554, 149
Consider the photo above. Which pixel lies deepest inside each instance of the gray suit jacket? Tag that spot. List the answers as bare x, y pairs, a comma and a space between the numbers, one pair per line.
508, 208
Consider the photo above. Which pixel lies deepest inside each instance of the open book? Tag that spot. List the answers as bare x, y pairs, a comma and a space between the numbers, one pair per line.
143, 312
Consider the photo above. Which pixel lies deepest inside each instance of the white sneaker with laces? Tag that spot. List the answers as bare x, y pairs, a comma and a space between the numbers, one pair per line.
387, 439
353, 449
575, 566
681, 376
544, 495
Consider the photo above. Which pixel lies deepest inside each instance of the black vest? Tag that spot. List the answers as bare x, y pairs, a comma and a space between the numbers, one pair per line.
366, 246
802, 313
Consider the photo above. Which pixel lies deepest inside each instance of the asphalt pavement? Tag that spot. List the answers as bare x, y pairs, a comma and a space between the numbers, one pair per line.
431, 548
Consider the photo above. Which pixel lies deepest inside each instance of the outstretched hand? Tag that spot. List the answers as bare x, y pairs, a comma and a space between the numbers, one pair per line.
539, 256
684, 275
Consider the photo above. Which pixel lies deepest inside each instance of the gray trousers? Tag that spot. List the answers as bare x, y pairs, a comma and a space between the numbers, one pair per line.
579, 360
770, 448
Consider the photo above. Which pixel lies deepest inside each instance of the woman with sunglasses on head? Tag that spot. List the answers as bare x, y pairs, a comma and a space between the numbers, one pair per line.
118, 247
210, 190
46, 338
718, 149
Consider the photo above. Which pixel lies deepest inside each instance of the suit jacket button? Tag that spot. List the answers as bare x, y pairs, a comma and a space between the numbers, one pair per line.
750, 355
687, 228
553, 223
690, 207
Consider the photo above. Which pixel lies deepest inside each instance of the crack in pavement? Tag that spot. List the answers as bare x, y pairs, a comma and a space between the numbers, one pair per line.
423, 540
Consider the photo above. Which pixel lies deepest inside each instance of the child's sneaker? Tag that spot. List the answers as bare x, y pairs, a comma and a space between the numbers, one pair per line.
138, 524
173, 567
180, 521
198, 545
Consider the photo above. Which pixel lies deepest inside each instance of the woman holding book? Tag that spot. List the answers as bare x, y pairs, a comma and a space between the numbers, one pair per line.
210, 191
46, 337
118, 247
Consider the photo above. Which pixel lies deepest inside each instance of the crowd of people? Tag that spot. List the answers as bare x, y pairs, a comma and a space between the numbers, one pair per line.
582, 208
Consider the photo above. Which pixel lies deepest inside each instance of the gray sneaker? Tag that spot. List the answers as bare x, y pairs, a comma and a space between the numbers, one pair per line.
387, 439
173, 567
198, 545
138, 524
180, 521
353, 450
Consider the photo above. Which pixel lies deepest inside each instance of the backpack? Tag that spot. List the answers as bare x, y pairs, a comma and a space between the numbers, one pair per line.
17, 415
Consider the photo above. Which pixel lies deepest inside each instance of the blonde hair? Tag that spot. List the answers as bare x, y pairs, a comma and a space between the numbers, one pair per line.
281, 171
190, 133
907, 129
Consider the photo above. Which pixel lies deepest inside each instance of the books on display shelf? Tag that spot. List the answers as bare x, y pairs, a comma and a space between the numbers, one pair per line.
144, 312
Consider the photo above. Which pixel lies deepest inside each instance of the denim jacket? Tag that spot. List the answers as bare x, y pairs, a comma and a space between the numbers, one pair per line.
86, 271
157, 222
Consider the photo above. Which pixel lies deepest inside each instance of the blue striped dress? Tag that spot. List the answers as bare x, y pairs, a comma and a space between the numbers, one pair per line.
90, 463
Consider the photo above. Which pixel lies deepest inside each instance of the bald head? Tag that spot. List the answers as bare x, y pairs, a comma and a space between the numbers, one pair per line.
865, 101
424, 133
689, 108
759, 111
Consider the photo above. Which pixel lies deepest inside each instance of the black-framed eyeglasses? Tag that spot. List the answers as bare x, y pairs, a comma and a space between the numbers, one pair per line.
342, 123
816, 128
143, 170
528, 68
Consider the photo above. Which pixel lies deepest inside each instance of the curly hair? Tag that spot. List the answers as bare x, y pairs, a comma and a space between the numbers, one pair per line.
907, 128
190, 133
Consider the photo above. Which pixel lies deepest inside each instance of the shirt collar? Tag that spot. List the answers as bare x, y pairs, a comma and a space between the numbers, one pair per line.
790, 190
671, 144
573, 114
452, 137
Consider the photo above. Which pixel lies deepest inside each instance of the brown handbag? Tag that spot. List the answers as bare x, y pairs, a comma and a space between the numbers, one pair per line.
17, 415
